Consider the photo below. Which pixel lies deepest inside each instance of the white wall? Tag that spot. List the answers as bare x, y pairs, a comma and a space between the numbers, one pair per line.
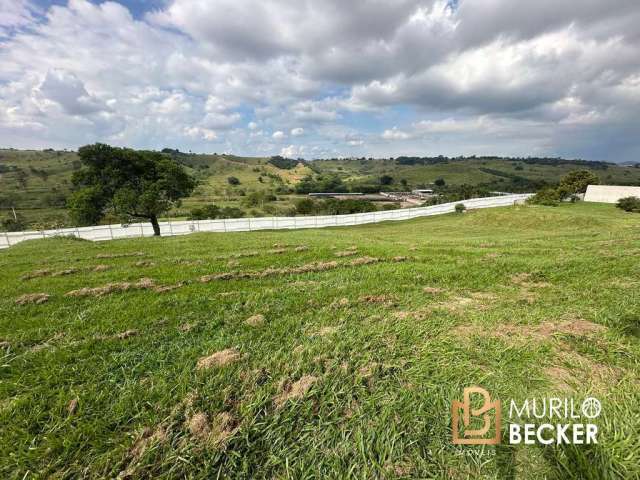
609, 193
134, 230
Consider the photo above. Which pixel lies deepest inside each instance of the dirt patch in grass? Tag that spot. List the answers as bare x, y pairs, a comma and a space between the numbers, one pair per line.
126, 334
145, 263
187, 327
146, 439
120, 255
363, 261
49, 273
109, 288
525, 280
101, 268
255, 320
277, 251
32, 298
399, 258
219, 359
295, 390
72, 406
432, 290
325, 331
212, 433
340, 303
346, 253
387, 300
301, 248
541, 332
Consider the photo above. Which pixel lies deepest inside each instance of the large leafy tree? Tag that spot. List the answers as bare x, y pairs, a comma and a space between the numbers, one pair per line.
129, 183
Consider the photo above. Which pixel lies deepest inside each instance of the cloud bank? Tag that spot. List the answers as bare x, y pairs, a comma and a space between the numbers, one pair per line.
325, 77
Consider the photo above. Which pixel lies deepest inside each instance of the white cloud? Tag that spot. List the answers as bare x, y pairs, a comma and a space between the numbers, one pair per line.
296, 132
279, 135
292, 151
395, 134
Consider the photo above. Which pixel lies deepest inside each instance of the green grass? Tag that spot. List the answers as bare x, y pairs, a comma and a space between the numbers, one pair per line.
380, 407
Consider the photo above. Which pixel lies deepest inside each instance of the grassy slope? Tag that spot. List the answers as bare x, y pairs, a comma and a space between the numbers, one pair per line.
214, 187
385, 380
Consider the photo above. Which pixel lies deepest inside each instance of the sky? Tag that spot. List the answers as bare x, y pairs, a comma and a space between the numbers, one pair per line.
324, 78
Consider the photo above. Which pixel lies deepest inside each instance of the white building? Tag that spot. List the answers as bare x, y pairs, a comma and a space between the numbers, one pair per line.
609, 193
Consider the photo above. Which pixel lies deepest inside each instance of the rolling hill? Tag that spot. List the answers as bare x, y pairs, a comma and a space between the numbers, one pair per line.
36, 183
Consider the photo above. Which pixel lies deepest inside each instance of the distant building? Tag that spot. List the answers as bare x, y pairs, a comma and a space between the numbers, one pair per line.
609, 193
422, 191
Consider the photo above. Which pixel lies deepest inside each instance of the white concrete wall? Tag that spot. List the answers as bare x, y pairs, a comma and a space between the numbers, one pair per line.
609, 193
113, 232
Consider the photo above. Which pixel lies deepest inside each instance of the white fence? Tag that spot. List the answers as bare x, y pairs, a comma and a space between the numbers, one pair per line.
135, 230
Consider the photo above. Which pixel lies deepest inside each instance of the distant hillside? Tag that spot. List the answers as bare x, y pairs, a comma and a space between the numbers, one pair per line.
36, 183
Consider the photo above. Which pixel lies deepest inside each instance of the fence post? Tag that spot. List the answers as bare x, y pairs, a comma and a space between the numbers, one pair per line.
6, 234
249, 221
141, 230
224, 224
110, 231
170, 228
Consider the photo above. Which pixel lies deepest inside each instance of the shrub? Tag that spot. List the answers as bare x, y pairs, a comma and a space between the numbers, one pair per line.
629, 204
208, 212
233, 181
11, 224
549, 197
460, 208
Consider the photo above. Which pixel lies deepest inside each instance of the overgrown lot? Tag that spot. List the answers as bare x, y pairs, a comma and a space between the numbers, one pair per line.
330, 353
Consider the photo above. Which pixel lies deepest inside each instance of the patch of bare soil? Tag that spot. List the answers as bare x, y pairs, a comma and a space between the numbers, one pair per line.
295, 390
126, 334
363, 261
277, 251
525, 280
432, 290
36, 274
145, 263
301, 248
340, 303
187, 327
147, 438
219, 359
32, 298
346, 253
72, 406
101, 268
399, 258
387, 300
142, 284
255, 320
325, 331
120, 255
541, 332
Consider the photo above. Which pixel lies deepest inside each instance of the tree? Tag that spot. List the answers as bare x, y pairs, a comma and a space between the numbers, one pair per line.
386, 180
440, 182
577, 181
128, 183
233, 181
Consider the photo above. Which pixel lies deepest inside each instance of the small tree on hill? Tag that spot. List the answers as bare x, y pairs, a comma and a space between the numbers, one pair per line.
128, 183
576, 182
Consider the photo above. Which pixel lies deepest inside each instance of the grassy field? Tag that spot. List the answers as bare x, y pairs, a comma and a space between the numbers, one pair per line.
37, 183
332, 353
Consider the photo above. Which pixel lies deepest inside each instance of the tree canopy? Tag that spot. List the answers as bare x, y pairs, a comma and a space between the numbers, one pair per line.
127, 183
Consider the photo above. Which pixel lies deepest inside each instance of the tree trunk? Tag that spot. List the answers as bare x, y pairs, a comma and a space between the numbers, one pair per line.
156, 226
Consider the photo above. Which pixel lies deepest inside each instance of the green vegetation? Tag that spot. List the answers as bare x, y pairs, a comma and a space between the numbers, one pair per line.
127, 184
331, 353
629, 204
38, 184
